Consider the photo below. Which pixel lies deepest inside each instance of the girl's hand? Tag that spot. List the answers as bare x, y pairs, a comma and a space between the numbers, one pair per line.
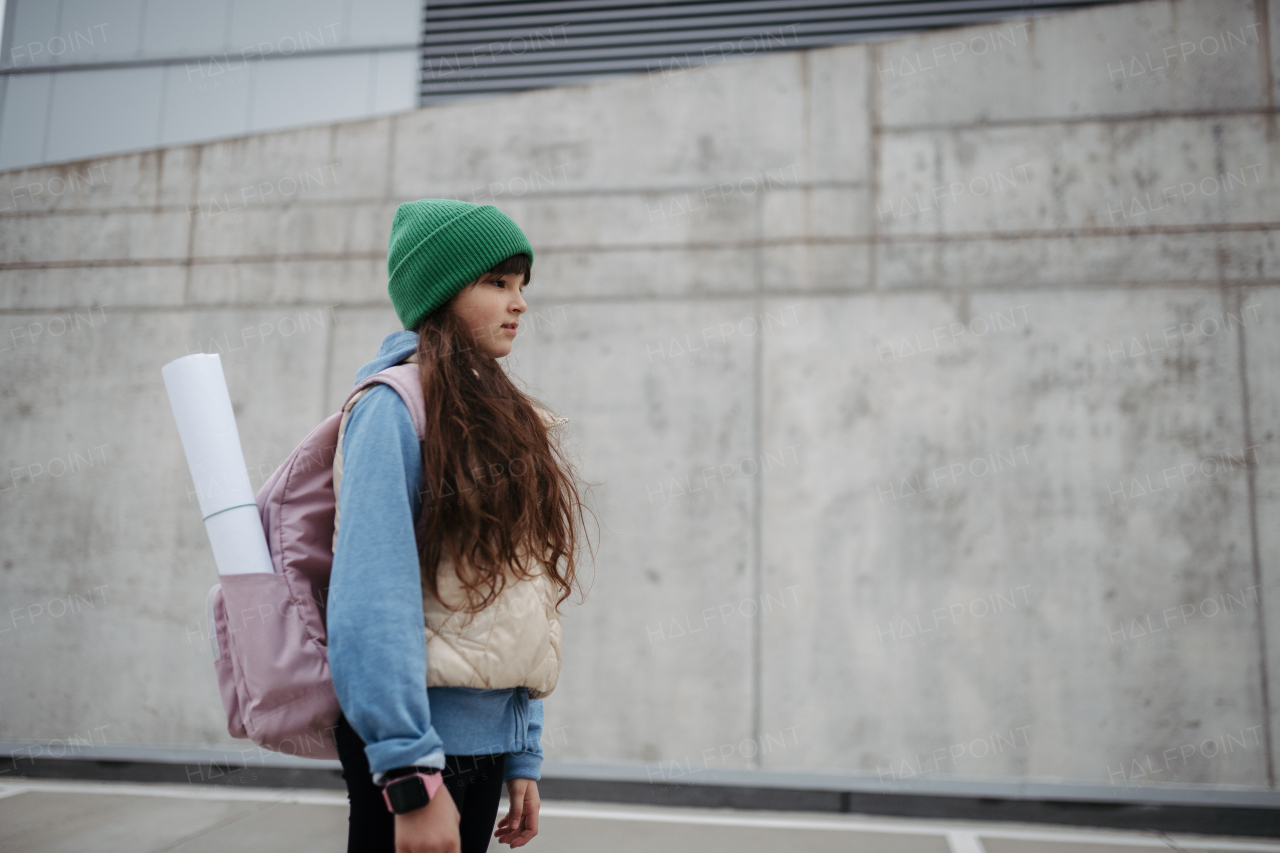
521, 823
432, 828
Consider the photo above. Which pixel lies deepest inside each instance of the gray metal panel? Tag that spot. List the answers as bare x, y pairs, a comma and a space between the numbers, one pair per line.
118, 33
198, 107
96, 31
26, 111
396, 81
280, 96
309, 23
377, 22
29, 26
185, 29
471, 48
96, 111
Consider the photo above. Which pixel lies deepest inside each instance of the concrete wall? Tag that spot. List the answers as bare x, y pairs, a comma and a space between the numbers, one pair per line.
934, 409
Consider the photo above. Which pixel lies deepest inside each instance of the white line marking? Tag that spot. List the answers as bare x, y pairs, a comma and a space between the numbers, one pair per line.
745, 820
9, 791
195, 792
900, 826
964, 842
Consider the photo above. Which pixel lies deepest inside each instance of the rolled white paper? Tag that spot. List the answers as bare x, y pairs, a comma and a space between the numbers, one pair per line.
206, 422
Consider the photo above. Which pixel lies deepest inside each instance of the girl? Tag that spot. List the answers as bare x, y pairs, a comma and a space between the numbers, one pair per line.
435, 540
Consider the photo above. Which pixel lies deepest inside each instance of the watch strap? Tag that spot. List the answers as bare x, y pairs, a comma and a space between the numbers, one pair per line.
430, 781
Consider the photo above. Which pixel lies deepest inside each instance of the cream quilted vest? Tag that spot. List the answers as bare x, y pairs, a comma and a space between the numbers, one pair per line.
513, 642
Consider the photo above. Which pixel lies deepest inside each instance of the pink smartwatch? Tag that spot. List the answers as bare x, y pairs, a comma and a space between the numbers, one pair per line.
407, 793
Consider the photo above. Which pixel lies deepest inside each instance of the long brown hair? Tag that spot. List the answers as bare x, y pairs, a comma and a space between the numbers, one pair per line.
496, 482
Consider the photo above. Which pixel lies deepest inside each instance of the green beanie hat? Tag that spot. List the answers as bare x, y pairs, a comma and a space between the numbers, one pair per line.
438, 246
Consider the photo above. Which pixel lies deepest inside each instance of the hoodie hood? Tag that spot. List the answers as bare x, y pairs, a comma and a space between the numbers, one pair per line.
396, 347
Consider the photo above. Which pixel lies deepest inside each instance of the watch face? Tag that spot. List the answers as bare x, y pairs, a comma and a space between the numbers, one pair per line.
407, 794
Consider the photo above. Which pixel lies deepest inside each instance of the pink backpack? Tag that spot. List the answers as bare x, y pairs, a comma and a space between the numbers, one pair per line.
268, 630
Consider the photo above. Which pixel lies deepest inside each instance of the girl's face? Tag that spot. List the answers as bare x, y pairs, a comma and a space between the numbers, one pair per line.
491, 309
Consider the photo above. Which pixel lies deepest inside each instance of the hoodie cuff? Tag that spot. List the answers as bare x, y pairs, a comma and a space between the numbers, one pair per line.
434, 761
400, 752
522, 765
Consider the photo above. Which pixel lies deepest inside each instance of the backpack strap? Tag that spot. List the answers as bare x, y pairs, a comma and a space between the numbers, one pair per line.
403, 377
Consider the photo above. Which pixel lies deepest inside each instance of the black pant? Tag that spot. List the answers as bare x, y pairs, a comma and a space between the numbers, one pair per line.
474, 782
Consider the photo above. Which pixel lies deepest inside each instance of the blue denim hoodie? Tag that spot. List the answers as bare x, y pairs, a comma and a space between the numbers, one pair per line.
377, 639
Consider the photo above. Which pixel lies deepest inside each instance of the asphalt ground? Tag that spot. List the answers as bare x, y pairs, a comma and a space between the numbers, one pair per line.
53, 816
